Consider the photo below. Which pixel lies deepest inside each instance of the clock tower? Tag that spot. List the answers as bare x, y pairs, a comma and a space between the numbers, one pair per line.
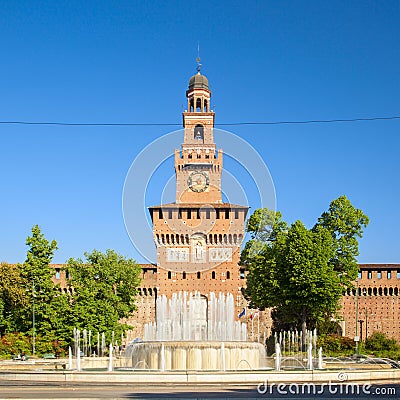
198, 165
198, 237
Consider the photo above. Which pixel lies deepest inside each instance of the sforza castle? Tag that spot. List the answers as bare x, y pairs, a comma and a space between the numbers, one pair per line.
198, 240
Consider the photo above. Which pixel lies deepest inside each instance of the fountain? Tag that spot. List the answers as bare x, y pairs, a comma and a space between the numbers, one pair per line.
194, 333
289, 354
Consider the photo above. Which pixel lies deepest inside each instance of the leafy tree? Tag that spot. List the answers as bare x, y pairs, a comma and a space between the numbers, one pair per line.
296, 271
345, 223
302, 273
42, 294
104, 291
13, 298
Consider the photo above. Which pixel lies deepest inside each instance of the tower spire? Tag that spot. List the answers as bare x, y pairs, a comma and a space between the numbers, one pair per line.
198, 59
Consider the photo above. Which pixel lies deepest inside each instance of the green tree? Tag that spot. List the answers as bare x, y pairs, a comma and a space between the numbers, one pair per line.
13, 299
104, 291
302, 273
42, 294
345, 223
294, 276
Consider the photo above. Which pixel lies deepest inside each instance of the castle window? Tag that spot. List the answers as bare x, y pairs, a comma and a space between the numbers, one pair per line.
227, 213
199, 132
160, 213
198, 275
228, 275
67, 274
236, 214
184, 275
170, 214
190, 155
369, 275
398, 274
189, 214
360, 275
389, 274
205, 106
169, 275
213, 275
242, 274
379, 275
58, 274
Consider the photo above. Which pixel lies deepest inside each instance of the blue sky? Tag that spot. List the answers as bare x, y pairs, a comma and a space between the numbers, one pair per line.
129, 62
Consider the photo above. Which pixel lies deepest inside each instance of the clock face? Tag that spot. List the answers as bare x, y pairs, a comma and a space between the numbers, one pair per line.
198, 181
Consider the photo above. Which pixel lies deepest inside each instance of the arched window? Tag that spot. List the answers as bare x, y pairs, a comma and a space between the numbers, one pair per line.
213, 275
205, 106
191, 105
199, 132
169, 275
228, 275
198, 105
183, 275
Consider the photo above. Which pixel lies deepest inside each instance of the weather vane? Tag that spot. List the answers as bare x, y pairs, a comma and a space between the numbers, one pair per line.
198, 58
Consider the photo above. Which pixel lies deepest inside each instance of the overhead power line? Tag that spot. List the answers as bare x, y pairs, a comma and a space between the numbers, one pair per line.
315, 121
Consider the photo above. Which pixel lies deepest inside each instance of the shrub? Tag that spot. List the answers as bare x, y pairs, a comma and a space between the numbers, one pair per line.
334, 344
14, 343
381, 346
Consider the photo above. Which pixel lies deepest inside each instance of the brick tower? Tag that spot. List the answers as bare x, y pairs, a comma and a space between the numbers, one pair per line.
198, 237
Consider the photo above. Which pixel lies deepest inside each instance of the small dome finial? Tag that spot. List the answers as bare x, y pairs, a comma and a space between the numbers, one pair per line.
198, 59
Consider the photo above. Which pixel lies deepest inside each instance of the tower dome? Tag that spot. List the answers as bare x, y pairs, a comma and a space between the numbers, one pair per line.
198, 81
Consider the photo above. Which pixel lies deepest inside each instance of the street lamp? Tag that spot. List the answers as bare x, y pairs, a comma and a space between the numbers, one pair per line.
356, 338
33, 318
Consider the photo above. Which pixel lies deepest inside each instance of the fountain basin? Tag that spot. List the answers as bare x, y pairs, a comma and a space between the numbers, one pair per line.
195, 356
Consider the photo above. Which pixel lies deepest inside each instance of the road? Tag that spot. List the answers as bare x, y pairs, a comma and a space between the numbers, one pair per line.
48, 390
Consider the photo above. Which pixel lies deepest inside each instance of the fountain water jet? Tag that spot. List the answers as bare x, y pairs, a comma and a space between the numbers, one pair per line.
191, 333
